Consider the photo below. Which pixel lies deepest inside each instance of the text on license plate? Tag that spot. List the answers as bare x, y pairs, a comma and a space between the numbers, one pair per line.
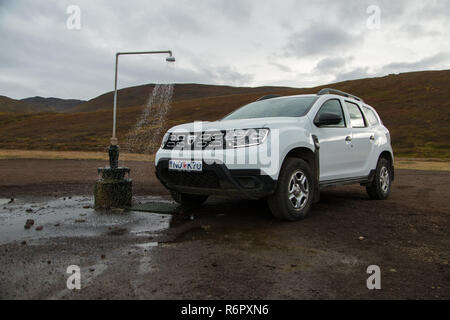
185, 165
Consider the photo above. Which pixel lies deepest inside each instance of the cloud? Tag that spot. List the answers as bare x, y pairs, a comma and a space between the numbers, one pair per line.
225, 74
249, 42
235, 10
320, 39
357, 73
332, 64
414, 31
437, 61
280, 66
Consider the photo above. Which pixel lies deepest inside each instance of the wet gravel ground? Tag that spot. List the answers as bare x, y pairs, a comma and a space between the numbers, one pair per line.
225, 249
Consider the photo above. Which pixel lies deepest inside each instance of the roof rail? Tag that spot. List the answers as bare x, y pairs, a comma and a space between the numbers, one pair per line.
339, 92
269, 96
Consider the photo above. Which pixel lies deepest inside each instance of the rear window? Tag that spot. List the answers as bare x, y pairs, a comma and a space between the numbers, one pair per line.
276, 107
356, 116
371, 117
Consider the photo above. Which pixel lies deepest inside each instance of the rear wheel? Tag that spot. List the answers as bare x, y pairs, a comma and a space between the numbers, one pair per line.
381, 185
188, 199
295, 191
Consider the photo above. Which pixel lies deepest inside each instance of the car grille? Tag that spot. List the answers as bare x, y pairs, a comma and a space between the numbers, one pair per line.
205, 179
213, 140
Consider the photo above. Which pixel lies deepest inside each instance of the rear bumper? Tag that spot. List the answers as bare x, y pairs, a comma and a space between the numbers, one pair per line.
217, 179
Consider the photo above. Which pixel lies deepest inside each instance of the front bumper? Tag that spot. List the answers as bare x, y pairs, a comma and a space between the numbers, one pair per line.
217, 179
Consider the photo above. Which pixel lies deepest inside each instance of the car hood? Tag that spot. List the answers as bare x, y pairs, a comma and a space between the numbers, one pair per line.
270, 123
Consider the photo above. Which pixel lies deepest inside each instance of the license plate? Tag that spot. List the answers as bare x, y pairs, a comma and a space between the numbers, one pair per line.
185, 165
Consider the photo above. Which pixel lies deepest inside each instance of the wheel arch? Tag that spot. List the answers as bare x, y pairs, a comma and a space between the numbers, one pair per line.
389, 157
303, 153
312, 159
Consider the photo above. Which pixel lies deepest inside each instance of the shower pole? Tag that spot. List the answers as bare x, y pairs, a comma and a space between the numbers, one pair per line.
113, 189
170, 58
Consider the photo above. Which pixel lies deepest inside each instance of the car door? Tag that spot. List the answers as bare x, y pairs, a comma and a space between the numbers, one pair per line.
335, 143
362, 140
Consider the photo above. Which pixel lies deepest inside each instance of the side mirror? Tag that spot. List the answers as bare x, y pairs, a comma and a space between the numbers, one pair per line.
327, 119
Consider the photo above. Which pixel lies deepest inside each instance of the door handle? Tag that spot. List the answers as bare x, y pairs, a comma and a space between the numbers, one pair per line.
348, 138
372, 138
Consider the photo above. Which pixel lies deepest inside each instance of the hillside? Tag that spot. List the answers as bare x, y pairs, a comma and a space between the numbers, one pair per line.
138, 96
37, 104
52, 104
414, 106
13, 105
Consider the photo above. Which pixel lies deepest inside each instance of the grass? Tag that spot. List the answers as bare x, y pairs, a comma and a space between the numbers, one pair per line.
400, 163
414, 106
423, 164
72, 155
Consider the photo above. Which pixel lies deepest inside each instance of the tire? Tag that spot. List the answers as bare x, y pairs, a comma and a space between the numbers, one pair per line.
380, 187
191, 200
294, 194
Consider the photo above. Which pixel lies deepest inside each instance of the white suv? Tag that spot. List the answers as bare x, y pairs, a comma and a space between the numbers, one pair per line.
283, 149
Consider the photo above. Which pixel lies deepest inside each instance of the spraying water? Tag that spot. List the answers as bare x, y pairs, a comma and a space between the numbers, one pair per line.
146, 135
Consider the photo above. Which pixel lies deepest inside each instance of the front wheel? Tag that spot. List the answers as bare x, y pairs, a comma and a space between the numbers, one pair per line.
295, 191
381, 185
191, 200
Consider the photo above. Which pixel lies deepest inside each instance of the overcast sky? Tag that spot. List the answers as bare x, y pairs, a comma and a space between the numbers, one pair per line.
233, 42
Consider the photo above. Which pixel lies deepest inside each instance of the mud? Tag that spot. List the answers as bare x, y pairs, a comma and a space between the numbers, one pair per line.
226, 249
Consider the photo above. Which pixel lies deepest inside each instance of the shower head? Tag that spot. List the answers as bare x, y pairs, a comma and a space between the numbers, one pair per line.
170, 59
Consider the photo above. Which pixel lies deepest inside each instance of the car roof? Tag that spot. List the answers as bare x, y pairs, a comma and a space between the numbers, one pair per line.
316, 95
323, 92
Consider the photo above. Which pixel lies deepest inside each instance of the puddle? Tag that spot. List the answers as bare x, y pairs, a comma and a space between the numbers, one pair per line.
4, 201
73, 217
157, 207
147, 245
146, 264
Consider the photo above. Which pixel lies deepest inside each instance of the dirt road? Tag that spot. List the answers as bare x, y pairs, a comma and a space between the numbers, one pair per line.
231, 249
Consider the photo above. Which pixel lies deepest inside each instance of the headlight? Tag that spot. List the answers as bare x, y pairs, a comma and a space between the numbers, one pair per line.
245, 137
164, 139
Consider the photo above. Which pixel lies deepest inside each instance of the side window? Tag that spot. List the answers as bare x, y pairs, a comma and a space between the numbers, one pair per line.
371, 117
356, 117
333, 106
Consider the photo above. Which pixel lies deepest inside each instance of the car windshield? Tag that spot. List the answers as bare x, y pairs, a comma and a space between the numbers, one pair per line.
276, 107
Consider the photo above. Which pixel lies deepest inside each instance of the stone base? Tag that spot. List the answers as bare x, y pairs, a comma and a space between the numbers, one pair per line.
113, 193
